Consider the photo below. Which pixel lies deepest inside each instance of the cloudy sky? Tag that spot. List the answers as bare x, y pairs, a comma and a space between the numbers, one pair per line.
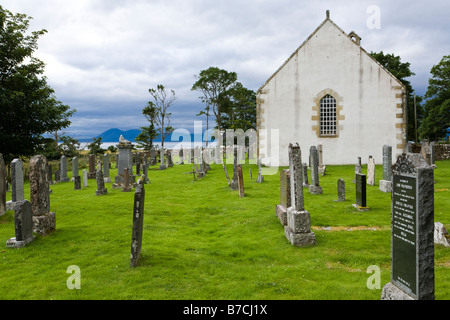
102, 56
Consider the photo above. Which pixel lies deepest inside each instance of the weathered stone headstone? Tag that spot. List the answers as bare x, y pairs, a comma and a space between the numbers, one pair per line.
234, 181
77, 183
17, 184
106, 165
138, 222
412, 230
85, 178
386, 183
260, 178
240, 181
125, 161
298, 228
23, 224
357, 168
341, 190
169, 159
74, 168
2, 186
361, 203
322, 167
126, 181
49, 173
57, 176
181, 154
162, 166
305, 175
145, 172
371, 171
63, 167
101, 190
285, 196
44, 221
314, 187
425, 151
92, 173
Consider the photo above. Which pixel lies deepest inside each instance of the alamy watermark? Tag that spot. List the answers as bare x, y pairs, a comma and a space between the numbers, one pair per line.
74, 281
374, 281
374, 20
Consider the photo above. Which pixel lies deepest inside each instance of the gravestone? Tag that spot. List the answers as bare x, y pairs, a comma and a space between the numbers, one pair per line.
322, 167
412, 230
145, 172
180, 154
126, 181
2, 186
101, 190
125, 161
386, 183
371, 171
169, 159
50, 173
314, 187
92, 173
298, 228
234, 181
357, 168
75, 168
341, 190
85, 178
138, 222
17, 184
240, 181
63, 167
77, 183
259, 178
106, 165
57, 176
44, 221
285, 196
361, 203
425, 151
305, 175
162, 166
138, 163
23, 224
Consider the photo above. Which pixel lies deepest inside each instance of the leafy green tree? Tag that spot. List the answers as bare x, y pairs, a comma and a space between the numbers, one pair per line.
95, 146
402, 71
239, 108
163, 99
437, 106
148, 134
28, 106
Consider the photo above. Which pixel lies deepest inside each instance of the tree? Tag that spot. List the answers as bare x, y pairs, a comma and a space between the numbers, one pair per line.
95, 146
28, 105
437, 106
163, 100
239, 108
213, 83
401, 70
148, 134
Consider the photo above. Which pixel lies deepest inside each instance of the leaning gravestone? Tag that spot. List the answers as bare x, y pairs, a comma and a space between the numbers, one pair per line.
285, 196
412, 230
2, 186
298, 228
44, 221
361, 201
17, 184
23, 223
138, 222
314, 187
386, 183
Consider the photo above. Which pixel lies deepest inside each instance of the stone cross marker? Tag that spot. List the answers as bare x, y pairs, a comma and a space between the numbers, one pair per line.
240, 181
2, 186
314, 187
44, 221
386, 183
298, 228
23, 222
412, 230
138, 222
371, 171
361, 203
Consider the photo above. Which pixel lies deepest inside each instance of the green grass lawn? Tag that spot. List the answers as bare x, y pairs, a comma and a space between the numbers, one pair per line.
201, 241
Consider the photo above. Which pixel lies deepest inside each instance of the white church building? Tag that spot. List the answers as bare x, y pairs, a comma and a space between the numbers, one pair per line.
330, 91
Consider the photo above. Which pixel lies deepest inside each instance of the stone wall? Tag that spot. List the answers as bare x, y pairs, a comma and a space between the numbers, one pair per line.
442, 151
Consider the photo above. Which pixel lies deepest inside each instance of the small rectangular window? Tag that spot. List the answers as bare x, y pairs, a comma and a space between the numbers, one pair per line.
328, 123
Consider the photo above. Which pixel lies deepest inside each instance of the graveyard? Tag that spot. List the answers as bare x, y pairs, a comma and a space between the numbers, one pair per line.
200, 240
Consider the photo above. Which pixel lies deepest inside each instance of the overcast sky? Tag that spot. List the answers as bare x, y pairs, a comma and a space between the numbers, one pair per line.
102, 56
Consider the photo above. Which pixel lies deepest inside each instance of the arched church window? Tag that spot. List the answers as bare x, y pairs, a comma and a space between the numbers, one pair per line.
328, 116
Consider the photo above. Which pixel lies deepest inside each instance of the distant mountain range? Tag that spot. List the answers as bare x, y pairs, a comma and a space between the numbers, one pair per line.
113, 135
